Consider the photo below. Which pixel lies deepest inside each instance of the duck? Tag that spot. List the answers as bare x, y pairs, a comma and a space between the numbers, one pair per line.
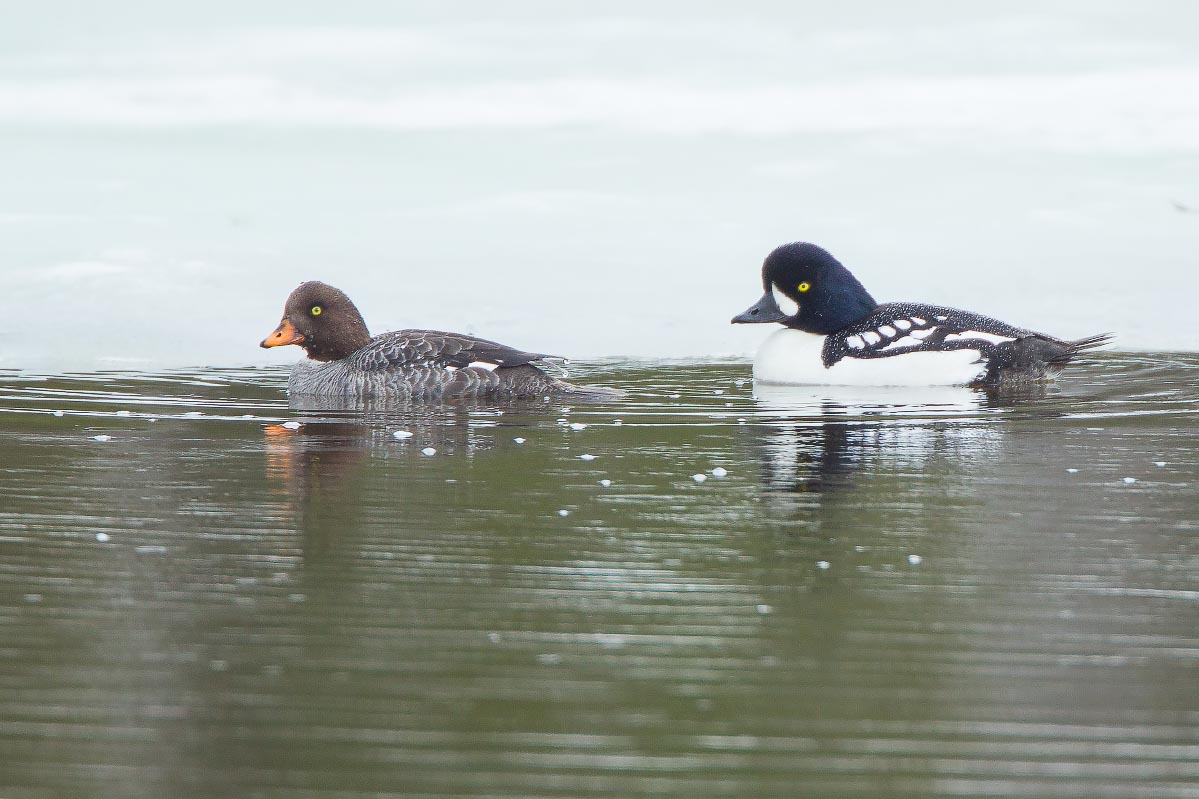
344, 360
834, 333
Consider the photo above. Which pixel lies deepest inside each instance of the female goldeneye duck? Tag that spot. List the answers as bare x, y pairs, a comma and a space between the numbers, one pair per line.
346, 361
836, 334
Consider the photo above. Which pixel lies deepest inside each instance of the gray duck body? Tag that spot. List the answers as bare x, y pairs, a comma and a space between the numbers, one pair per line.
428, 364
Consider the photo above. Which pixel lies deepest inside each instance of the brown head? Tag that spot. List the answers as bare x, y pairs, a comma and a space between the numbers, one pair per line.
322, 320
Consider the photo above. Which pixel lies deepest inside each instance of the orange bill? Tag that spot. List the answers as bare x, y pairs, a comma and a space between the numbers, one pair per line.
284, 334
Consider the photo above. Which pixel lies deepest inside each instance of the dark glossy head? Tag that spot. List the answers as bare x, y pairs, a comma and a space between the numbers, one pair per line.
808, 289
322, 320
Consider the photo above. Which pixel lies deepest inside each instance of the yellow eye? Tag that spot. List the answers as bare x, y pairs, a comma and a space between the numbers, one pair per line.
316, 310
804, 286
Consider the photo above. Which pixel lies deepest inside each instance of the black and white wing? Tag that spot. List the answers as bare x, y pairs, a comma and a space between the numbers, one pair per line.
417, 349
898, 328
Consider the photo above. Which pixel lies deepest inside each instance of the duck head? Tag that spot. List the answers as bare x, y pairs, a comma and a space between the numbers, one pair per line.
322, 320
808, 289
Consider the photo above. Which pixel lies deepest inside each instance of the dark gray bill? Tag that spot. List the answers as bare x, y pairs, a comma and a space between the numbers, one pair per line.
764, 310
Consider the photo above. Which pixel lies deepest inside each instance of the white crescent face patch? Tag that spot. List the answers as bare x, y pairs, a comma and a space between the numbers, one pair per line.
787, 305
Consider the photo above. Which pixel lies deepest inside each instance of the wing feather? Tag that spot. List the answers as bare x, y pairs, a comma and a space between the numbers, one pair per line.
418, 349
898, 328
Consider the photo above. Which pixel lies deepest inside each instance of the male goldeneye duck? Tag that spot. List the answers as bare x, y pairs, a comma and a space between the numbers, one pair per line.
344, 360
836, 334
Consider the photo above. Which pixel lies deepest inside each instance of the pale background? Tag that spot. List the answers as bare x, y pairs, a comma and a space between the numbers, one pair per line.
585, 179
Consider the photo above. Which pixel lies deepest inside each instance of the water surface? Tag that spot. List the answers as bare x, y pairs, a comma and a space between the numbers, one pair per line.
944, 594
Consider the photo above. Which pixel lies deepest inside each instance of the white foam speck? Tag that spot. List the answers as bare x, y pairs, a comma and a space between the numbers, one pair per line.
428, 451
103, 538
564, 512
764, 609
1130, 480
1159, 464
292, 425
617, 422
720, 471
247, 416
915, 560
674, 396
586, 457
718, 391
822, 565
124, 413
859, 548
59, 413
577, 426
605, 483
193, 414
400, 435
1072, 471
699, 478
519, 440
101, 437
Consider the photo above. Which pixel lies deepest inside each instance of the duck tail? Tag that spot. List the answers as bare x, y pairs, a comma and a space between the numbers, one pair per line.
1073, 348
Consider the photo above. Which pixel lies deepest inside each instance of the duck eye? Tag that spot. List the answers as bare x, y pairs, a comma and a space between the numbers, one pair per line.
316, 310
804, 286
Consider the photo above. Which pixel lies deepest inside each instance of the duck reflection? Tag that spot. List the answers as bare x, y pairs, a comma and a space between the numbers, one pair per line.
817, 440
320, 466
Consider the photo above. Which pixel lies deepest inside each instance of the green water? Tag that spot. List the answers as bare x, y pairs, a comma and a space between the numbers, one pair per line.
888, 594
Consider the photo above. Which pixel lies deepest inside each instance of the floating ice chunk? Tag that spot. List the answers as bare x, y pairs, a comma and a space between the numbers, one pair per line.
101, 437
605, 482
577, 426
718, 391
103, 538
699, 478
292, 425
1072, 471
519, 440
1130, 480
124, 413
915, 560
59, 413
400, 435
564, 512
586, 457
720, 471
428, 451
822, 565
